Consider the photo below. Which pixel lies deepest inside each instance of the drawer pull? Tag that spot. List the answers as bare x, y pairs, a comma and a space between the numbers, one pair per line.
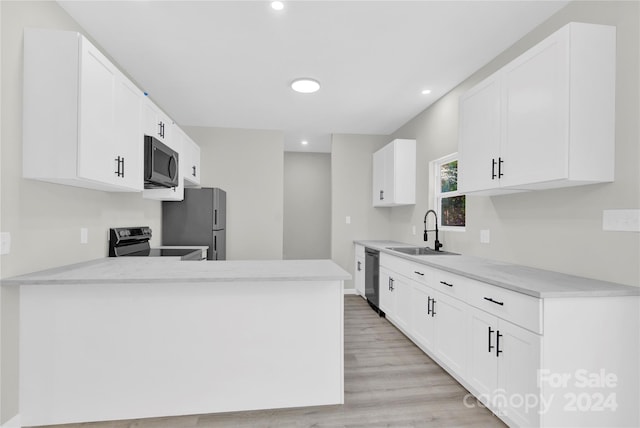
494, 301
446, 283
419, 273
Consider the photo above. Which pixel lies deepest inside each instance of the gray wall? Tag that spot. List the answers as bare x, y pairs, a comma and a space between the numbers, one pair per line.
307, 206
248, 165
351, 184
561, 229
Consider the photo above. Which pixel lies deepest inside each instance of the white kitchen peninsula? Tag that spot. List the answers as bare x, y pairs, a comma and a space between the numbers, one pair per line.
127, 338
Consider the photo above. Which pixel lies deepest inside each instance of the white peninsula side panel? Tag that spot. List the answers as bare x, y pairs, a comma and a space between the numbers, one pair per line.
92, 352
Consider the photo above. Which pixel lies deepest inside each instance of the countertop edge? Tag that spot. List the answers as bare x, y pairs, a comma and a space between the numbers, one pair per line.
615, 290
271, 274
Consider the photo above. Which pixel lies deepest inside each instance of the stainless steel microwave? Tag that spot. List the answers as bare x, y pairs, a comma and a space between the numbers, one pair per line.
160, 164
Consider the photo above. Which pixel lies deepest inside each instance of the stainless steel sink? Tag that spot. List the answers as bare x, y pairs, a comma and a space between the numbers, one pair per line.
420, 251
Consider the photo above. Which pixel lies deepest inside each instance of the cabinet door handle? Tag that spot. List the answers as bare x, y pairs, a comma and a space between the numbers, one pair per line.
500, 162
490, 345
359, 267
419, 273
391, 287
433, 307
119, 166
428, 305
446, 283
194, 171
493, 169
382, 195
498, 350
494, 301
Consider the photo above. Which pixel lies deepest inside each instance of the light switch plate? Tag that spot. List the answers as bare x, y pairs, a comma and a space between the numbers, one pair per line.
348, 219
5, 243
621, 220
485, 236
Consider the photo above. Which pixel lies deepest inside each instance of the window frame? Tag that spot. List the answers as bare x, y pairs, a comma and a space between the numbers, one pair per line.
435, 167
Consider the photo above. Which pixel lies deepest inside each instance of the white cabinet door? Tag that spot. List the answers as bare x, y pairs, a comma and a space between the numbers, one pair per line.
128, 142
96, 151
451, 332
423, 322
387, 296
359, 275
394, 174
192, 162
479, 141
378, 178
403, 303
518, 364
536, 87
482, 371
156, 123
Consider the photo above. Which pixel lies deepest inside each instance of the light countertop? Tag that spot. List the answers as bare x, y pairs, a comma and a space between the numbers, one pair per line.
172, 269
527, 280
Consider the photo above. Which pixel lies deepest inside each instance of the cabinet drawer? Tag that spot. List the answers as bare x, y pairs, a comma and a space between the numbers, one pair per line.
452, 284
408, 269
518, 308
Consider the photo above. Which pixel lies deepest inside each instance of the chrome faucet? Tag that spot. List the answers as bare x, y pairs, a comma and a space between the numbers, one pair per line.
437, 245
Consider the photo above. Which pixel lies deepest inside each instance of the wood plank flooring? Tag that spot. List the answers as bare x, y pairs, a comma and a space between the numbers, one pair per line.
389, 382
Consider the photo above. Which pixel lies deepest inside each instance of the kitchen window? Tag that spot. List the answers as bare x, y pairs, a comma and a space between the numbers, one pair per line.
449, 203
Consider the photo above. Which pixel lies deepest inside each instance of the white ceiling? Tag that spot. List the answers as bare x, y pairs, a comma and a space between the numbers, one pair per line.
230, 63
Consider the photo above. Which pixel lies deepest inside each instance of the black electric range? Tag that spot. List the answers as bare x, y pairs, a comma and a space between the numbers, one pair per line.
134, 242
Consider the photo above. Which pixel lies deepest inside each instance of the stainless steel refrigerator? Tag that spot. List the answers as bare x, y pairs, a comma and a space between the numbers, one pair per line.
199, 219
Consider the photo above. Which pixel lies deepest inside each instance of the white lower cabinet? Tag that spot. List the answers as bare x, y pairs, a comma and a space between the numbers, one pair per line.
533, 362
503, 367
395, 297
440, 326
359, 275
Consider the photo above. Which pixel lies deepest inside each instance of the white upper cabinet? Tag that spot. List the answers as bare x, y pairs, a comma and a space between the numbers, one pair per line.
545, 120
156, 123
81, 117
394, 174
191, 172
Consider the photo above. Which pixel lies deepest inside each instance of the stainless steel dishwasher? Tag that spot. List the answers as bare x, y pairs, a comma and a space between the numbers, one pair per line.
371, 279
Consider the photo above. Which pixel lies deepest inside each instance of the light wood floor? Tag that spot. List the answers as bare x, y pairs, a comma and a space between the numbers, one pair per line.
389, 382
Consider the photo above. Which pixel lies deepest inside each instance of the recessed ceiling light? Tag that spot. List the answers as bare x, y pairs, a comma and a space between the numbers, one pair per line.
277, 5
426, 91
305, 85
304, 142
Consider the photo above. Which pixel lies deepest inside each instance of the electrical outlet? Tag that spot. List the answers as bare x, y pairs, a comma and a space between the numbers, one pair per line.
84, 235
413, 230
485, 236
621, 220
348, 219
5, 243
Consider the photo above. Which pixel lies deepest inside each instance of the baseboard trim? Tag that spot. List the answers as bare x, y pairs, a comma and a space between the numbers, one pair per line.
350, 291
14, 422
